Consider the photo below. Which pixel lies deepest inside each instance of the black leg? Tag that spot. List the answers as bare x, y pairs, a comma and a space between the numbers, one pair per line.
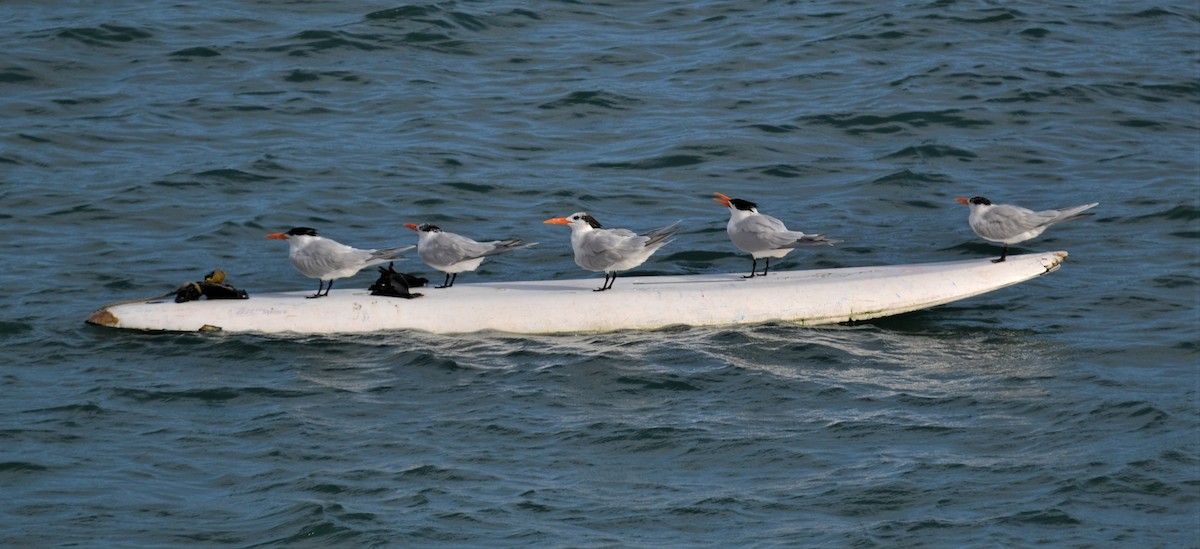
753, 267
452, 279
606, 285
320, 286
445, 284
328, 287
1003, 255
767, 267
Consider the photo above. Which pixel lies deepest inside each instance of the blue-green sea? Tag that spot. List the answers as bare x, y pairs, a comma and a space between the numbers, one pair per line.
147, 143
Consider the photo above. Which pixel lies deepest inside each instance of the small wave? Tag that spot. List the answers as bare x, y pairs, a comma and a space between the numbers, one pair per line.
697, 256
1044, 517
267, 164
1161, 92
1181, 212
14, 328
924, 204
771, 128
627, 438
1174, 281
403, 13
88, 409
248, 108
317, 41
430, 360
917, 526
195, 52
230, 174
323, 40
1071, 93
871, 500
946, 402
1139, 123
430, 202
656, 163
852, 429
421, 38
784, 170
442, 474
439, 26
15, 75
595, 98
1143, 414
81, 101
907, 178
213, 394
1180, 457
472, 187
885, 35
431, 15
1155, 12
326, 533
8, 467
1002, 15
657, 385
176, 184
868, 123
299, 76
468, 21
105, 35
932, 151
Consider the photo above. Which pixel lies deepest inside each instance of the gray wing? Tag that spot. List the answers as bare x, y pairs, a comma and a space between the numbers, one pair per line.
776, 235
662, 233
806, 240
327, 256
450, 248
1067, 214
504, 246
386, 254
603, 247
1004, 221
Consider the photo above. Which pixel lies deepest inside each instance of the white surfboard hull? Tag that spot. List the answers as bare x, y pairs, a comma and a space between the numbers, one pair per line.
810, 297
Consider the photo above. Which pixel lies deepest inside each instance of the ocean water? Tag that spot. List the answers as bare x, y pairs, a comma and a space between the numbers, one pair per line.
146, 143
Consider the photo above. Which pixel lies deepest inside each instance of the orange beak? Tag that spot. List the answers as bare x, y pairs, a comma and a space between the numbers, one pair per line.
722, 199
962, 200
557, 221
277, 236
412, 226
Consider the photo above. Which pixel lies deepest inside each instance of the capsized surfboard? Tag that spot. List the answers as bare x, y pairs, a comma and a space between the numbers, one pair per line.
807, 297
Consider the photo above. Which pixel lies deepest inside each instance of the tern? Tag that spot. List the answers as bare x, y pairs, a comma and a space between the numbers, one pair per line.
1010, 224
763, 236
452, 254
611, 250
327, 260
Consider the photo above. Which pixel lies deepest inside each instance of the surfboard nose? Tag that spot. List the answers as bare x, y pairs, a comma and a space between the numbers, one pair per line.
103, 317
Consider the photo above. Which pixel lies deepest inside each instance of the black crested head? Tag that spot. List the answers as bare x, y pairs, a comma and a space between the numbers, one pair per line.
980, 200
298, 231
743, 204
427, 228
589, 219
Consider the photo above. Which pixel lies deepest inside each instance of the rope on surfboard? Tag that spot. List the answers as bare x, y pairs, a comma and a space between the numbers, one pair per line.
213, 286
393, 284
